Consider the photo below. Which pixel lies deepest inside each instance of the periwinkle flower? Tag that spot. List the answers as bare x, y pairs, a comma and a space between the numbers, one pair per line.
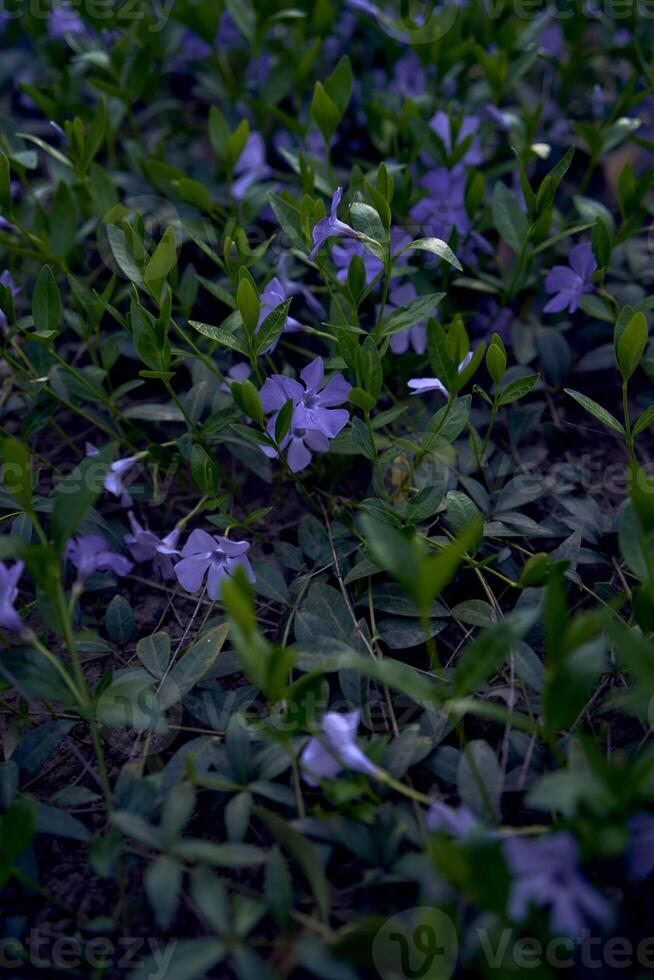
332, 226
409, 77
458, 822
271, 297
546, 873
415, 336
421, 385
91, 553
441, 124
251, 166
337, 750
145, 545
9, 618
238, 372
64, 20
640, 855
211, 556
570, 282
118, 470
315, 420
443, 207
342, 255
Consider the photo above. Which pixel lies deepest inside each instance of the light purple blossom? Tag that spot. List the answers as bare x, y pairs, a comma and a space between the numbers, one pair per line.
145, 545
343, 253
421, 385
251, 166
239, 372
92, 554
337, 749
640, 855
441, 124
569, 283
415, 336
409, 77
9, 618
332, 226
211, 556
458, 822
546, 873
443, 207
114, 481
64, 20
315, 420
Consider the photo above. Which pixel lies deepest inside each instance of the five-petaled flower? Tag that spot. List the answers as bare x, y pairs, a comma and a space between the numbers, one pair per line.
421, 385
9, 618
545, 873
569, 283
335, 750
114, 480
145, 545
211, 556
315, 420
91, 553
332, 226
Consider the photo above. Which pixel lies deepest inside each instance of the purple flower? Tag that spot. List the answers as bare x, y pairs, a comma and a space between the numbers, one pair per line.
441, 124
641, 848
213, 556
343, 254
409, 77
92, 554
64, 20
545, 873
118, 470
332, 226
9, 618
315, 420
251, 166
339, 751
457, 822
7, 281
271, 297
421, 385
193, 48
444, 205
239, 372
144, 545
491, 317
569, 283
415, 336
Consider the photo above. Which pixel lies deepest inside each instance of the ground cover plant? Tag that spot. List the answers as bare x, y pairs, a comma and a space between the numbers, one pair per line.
327, 558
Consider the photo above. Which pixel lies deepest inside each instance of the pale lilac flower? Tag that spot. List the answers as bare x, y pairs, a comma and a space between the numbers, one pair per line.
145, 545
569, 283
211, 556
415, 336
9, 618
343, 253
339, 751
332, 226
114, 480
92, 553
239, 372
409, 77
64, 20
641, 848
315, 420
421, 385
441, 124
443, 208
458, 822
251, 166
546, 873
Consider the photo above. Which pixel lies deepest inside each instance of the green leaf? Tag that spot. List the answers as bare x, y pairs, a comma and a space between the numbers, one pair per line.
191, 959
631, 345
302, 851
76, 494
63, 221
163, 883
324, 112
193, 665
338, 85
644, 421
437, 247
154, 653
411, 313
510, 220
518, 389
247, 301
119, 620
46, 302
597, 411
362, 439
223, 336
370, 373
272, 327
164, 259
17, 472
5, 186
129, 702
